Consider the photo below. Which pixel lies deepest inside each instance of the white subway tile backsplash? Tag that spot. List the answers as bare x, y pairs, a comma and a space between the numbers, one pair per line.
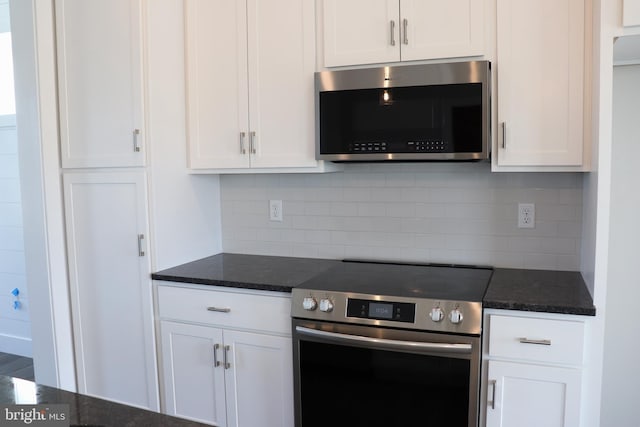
441, 212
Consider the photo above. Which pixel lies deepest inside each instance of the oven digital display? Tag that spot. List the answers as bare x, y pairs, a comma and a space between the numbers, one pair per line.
377, 310
380, 311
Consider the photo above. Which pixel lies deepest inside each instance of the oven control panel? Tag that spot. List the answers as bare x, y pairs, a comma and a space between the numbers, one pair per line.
398, 312
381, 310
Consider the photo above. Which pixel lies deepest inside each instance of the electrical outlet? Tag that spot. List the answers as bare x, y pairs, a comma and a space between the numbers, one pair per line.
526, 215
275, 210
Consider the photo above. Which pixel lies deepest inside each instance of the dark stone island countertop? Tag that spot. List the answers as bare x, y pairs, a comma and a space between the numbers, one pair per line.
512, 289
83, 410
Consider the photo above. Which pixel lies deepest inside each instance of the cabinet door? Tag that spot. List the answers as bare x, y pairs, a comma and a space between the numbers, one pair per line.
441, 28
100, 83
193, 384
216, 82
281, 85
630, 13
540, 74
260, 381
532, 395
110, 283
361, 32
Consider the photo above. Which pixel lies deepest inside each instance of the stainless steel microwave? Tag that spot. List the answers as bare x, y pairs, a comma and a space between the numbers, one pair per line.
404, 113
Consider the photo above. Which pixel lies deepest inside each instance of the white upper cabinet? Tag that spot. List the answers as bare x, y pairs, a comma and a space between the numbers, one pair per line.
216, 73
540, 83
250, 91
100, 83
361, 32
630, 13
378, 31
441, 28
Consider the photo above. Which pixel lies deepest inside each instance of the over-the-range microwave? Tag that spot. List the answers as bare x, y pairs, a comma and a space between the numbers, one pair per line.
404, 113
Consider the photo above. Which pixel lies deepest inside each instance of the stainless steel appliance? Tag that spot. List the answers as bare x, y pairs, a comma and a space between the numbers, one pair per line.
385, 344
405, 113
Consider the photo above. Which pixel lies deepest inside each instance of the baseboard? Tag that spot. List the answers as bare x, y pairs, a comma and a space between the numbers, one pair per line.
16, 345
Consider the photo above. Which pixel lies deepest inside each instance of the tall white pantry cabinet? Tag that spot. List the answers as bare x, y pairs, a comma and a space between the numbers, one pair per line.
102, 131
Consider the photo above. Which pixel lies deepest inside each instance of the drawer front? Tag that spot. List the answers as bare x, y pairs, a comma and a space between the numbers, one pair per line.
534, 339
225, 309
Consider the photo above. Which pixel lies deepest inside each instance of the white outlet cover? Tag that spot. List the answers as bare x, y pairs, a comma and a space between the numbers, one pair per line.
526, 215
275, 210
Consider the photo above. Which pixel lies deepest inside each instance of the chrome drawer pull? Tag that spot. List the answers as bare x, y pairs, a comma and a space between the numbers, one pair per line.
537, 342
219, 309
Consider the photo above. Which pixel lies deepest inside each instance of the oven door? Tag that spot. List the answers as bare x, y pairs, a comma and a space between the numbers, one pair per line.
352, 375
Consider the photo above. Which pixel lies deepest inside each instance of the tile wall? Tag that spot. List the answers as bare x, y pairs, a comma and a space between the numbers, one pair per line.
427, 212
15, 326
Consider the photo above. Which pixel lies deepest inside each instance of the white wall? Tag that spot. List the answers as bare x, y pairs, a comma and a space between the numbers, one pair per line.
451, 212
36, 113
621, 372
185, 208
15, 328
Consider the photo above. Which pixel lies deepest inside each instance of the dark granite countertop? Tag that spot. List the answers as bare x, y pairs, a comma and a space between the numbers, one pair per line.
84, 410
268, 273
539, 290
513, 289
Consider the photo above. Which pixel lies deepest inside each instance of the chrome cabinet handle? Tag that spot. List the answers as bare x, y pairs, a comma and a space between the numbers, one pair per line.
242, 149
252, 142
219, 309
525, 340
392, 24
227, 365
136, 145
216, 362
140, 245
504, 134
492, 383
405, 24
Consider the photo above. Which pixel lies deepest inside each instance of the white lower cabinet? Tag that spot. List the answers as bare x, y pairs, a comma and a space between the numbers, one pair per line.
533, 371
220, 372
528, 395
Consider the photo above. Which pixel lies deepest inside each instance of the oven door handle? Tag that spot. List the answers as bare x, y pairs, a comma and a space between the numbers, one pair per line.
435, 347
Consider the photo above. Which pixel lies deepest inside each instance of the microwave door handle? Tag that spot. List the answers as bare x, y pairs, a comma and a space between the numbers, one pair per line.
435, 347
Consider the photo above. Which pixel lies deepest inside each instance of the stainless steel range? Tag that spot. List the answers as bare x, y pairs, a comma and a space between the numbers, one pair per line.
387, 344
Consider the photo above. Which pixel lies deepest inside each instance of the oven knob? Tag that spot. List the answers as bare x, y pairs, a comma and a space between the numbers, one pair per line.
309, 303
326, 305
455, 316
436, 314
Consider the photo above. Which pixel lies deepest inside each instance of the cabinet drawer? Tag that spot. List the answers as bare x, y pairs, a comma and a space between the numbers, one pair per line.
227, 309
535, 339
